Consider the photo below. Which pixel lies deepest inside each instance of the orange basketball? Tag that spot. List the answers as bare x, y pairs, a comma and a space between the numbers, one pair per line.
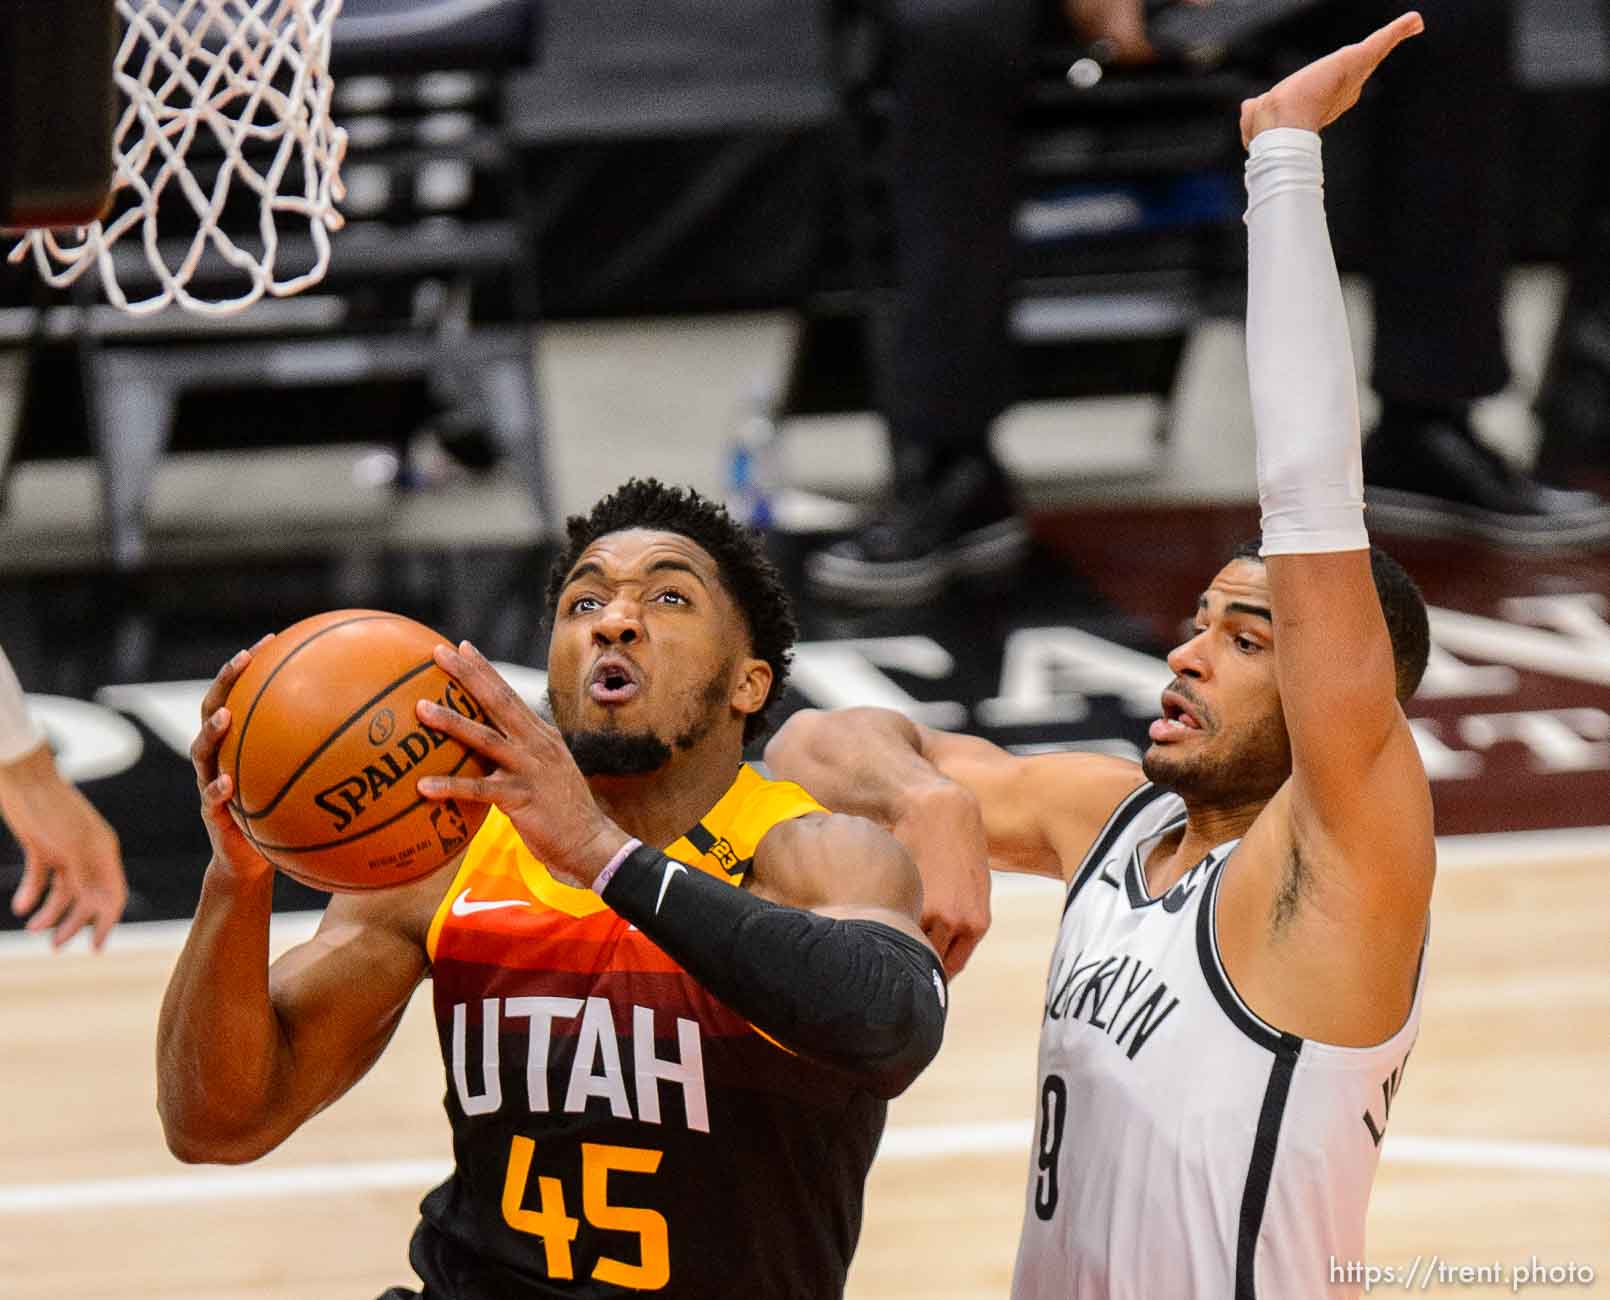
325, 750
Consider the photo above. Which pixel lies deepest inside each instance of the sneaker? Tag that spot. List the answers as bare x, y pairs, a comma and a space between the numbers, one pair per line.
964, 524
1435, 479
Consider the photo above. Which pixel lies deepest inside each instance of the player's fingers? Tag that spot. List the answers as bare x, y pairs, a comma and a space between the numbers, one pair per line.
107, 915
80, 915
478, 736
112, 886
204, 748
1383, 40
226, 677
216, 793
471, 789
56, 903
504, 705
35, 876
1374, 48
959, 953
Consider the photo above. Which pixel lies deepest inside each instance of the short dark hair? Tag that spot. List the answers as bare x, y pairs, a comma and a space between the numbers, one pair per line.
748, 574
1407, 623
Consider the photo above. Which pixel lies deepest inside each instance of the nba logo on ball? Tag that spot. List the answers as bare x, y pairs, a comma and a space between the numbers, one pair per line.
326, 751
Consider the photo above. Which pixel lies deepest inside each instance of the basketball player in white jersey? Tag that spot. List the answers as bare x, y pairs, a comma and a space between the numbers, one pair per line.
1236, 982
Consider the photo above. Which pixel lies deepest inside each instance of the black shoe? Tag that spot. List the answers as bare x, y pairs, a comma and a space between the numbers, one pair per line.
963, 523
1433, 478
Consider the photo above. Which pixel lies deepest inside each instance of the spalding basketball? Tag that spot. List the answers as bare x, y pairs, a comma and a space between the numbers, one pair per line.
325, 750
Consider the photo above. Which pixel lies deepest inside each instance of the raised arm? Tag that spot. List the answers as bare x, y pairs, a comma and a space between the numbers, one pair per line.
1358, 803
246, 1052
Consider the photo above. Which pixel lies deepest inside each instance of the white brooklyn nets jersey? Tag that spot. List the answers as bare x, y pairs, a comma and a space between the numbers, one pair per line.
1185, 1149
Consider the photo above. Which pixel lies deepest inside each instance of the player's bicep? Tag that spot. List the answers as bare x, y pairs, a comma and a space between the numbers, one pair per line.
1358, 782
1372, 838
834, 862
1335, 668
1040, 812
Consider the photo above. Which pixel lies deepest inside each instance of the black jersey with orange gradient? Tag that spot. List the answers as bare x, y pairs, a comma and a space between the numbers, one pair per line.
616, 1128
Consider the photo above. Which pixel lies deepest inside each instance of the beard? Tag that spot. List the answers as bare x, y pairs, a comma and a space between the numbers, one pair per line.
638, 753
617, 753
1256, 765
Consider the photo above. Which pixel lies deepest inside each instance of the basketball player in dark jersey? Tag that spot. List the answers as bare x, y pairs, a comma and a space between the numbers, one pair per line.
673, 995
1236, 980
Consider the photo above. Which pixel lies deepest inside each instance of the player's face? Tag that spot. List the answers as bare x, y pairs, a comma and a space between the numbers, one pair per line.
648, 653
1221, 736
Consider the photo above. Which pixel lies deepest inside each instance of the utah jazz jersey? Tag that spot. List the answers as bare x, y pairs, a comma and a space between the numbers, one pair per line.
1183, 1146
617, 1128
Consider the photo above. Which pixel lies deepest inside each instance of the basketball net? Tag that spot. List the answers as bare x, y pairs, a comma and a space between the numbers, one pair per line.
254, 76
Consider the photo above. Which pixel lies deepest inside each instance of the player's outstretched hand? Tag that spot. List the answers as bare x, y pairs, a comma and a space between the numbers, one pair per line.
537, 784
71, 858
231, 850
1316, 95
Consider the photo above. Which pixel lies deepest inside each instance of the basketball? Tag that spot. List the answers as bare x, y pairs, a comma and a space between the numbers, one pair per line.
325, 751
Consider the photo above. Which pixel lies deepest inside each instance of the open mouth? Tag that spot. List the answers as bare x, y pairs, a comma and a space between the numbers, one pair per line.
613, 681
1179, 720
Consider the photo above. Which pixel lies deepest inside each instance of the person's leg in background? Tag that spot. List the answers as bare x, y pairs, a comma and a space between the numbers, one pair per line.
1440, 171
1573, 398
943, 356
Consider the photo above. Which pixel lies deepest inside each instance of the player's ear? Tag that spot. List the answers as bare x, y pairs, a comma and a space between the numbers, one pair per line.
751, 685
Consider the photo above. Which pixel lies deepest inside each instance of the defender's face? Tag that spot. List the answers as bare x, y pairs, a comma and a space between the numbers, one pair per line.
646, 641
1222, 734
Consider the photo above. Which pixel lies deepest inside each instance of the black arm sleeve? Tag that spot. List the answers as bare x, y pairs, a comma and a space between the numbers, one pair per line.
856, 995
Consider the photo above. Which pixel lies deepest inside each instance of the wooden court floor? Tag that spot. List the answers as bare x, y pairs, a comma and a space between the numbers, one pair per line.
1497, 1153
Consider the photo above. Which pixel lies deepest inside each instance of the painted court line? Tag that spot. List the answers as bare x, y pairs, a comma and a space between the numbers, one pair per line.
899, 1144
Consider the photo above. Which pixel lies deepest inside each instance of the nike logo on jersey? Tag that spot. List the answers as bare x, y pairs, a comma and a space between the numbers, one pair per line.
1177, 897
671, 868
462, 906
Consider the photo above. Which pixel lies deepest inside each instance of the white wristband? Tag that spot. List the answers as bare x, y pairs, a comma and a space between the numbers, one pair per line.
601, 881
1299, 355
19, 733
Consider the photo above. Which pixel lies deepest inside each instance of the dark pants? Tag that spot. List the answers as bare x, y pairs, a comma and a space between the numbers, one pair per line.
944, 359
1436, 136
1436, 187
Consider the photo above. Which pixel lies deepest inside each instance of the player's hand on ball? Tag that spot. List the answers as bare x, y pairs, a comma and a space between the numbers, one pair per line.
231, 849
537, 784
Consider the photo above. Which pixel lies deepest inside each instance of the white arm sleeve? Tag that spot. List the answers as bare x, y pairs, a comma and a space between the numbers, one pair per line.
19, 733
1299, 355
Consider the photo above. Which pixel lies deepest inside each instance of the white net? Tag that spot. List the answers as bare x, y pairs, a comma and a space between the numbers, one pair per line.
226, 135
